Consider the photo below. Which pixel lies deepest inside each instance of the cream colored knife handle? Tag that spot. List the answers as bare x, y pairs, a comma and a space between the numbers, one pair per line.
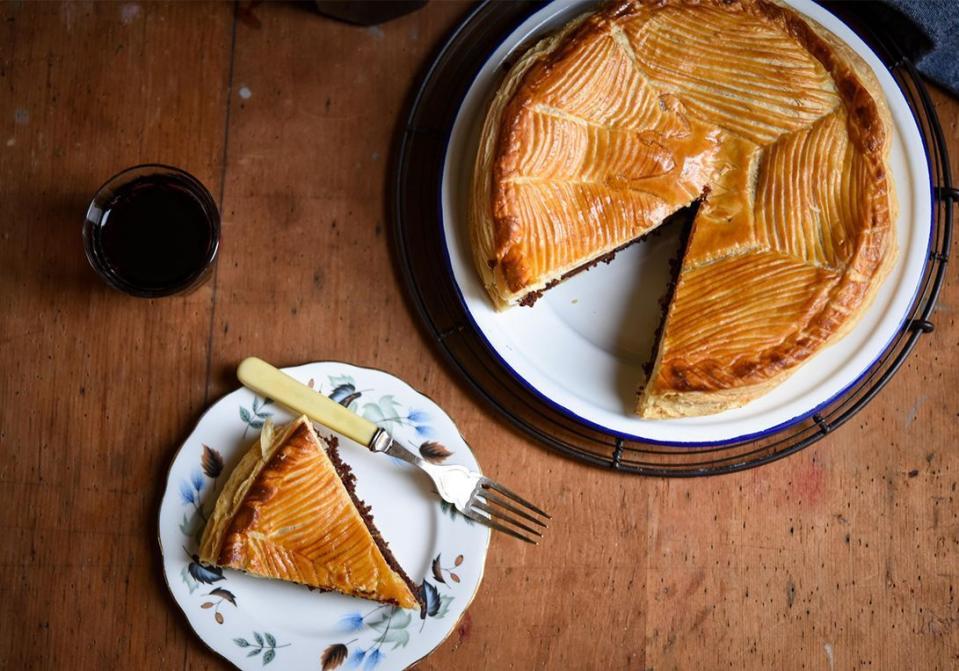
273, 383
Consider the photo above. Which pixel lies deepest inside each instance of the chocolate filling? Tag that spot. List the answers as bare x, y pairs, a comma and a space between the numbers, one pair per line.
530, 299
349, 481
683, 218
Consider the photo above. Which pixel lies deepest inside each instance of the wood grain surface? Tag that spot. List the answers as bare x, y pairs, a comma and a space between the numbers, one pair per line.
841, 557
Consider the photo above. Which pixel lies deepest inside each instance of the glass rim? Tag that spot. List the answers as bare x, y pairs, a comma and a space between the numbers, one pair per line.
94, 216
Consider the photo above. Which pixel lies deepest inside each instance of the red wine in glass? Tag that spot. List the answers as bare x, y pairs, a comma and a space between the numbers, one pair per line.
152, 231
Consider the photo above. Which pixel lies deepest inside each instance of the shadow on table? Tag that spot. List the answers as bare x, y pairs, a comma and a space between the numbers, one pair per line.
53, 243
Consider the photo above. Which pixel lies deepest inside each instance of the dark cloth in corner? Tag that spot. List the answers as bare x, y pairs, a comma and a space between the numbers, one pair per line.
939, 20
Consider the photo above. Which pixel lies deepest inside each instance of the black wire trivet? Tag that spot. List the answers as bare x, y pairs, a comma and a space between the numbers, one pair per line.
415, 204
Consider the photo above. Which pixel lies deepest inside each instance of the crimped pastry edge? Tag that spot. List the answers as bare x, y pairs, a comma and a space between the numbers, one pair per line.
482, 225
234, 492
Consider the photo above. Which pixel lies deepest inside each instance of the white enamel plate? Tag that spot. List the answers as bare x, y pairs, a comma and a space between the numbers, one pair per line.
257, 623
581, 348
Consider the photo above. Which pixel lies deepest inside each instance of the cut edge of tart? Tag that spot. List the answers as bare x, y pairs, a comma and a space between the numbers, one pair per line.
289, 511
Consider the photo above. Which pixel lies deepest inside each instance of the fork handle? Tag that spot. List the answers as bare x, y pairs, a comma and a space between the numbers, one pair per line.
273, 383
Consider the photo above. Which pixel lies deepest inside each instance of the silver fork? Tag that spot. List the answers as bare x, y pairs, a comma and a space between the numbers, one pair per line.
474, 495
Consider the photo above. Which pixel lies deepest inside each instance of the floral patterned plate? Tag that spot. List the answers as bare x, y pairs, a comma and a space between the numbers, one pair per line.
255, 623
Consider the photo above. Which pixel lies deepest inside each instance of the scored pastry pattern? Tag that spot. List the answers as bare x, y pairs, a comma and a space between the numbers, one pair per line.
298, 522
725, 102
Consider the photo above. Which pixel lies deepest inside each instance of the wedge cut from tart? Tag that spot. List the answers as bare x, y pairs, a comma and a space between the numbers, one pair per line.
289, 511
629, 113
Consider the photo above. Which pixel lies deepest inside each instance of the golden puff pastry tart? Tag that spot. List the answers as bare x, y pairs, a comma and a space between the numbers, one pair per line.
773, 127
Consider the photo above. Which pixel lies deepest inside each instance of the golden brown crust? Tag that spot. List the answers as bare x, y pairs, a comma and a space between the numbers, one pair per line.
683, 388
507, 228
485, 235
236, 551
292, 516
507, 257
866, 123
843, 106
232, 495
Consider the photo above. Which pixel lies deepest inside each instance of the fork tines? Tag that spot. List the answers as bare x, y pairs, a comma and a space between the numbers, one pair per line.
497, 507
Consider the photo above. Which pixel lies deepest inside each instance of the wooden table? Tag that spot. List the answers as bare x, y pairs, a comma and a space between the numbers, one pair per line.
843, 556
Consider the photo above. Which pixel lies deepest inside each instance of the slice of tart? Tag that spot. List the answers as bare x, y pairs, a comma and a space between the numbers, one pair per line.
289, 511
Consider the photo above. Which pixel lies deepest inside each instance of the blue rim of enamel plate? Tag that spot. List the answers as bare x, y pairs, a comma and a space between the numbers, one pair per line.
918, 170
